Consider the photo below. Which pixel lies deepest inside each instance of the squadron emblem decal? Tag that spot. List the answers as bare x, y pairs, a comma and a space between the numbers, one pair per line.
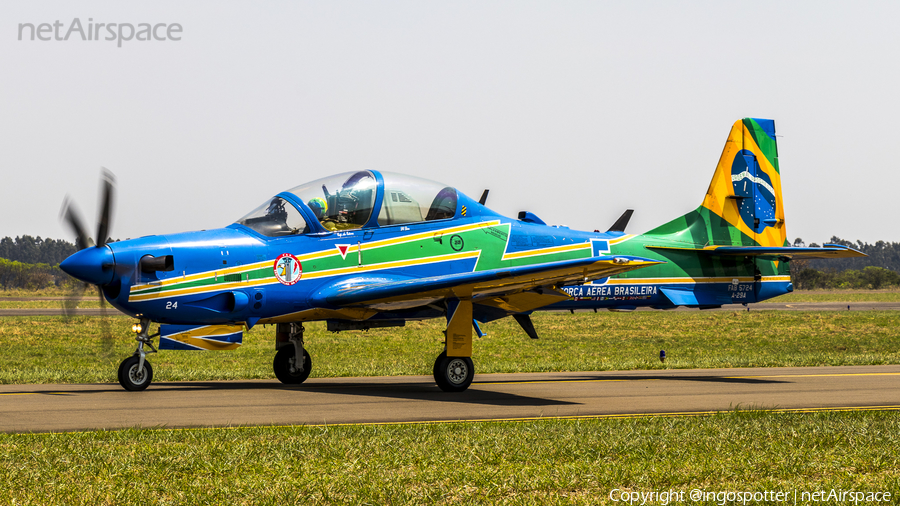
287, 269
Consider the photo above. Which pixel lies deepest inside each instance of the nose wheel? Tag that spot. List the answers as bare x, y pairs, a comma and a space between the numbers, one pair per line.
135, 373
292, 363
286, 367
453, 374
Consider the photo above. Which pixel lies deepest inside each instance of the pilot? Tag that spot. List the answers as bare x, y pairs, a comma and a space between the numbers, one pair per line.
276, 211
320, 208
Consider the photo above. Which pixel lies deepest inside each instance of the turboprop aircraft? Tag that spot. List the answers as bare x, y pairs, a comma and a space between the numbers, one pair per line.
359, 250
370, 249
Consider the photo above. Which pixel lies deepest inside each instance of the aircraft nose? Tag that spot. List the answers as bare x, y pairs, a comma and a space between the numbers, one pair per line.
95, 265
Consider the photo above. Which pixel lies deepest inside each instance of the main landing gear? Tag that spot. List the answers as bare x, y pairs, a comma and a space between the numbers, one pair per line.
135, 373
292, 364
454, 371
453, 374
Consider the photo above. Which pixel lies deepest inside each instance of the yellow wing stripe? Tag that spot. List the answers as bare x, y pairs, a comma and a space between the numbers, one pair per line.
621, 239
651, 281
547, 251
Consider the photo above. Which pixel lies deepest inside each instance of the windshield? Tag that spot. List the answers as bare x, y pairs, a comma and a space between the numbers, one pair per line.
341, 202
275, 218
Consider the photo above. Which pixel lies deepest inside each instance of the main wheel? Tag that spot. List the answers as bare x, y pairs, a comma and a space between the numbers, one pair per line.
133, 379
453, 374
285, 358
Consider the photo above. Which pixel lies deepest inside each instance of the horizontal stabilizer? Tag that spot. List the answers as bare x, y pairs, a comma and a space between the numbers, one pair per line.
773, 253
622, 222
490, 283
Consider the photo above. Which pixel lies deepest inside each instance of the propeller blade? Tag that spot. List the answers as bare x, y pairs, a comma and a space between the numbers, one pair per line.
106, 338
70, 215
73, 298
107, 194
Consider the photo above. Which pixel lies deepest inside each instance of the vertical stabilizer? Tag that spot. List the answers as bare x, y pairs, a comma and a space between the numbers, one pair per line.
743, 204
746, 188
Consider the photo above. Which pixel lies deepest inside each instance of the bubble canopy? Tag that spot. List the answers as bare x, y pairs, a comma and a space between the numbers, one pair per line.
353, 200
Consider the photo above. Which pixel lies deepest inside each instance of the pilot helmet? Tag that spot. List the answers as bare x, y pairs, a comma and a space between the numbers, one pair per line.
318, 206
276, 209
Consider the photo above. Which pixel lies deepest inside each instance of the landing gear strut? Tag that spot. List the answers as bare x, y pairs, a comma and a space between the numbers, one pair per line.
135, 373
455, 373
292, 364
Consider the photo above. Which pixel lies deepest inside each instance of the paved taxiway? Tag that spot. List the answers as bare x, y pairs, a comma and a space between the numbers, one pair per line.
43, 408
793, 306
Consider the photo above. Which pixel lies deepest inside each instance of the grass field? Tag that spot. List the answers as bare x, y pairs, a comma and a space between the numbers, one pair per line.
50, 303
534, 462
537, 462
48, 350
838, 296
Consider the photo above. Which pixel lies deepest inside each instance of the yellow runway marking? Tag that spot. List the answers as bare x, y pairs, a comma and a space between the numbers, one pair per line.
821, 375
513, 382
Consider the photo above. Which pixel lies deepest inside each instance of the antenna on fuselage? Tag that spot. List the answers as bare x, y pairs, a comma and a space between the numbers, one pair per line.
622, 222
483, 198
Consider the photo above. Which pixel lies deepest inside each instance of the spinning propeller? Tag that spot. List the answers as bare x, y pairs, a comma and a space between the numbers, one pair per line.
94, 262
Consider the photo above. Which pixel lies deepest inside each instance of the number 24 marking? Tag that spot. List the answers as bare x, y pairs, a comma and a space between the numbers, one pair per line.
171, 305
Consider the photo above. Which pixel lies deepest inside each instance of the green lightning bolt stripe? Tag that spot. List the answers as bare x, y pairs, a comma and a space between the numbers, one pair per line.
487, 243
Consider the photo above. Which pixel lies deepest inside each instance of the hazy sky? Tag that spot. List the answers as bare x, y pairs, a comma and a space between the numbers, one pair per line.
572, 110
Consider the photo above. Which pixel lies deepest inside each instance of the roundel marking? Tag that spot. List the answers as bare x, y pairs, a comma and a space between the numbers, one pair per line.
287, 269
457, 243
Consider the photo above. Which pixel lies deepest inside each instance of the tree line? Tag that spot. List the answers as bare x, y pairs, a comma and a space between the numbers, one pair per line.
32, 262
34, 250
881, 254
21, 275
877, 270
869, 277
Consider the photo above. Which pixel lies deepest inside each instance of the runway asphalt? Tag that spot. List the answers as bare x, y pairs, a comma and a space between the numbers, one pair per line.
793, 306
51, 408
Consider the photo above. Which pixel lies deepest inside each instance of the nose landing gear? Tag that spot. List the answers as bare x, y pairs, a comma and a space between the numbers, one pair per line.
292, 364
135, 373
